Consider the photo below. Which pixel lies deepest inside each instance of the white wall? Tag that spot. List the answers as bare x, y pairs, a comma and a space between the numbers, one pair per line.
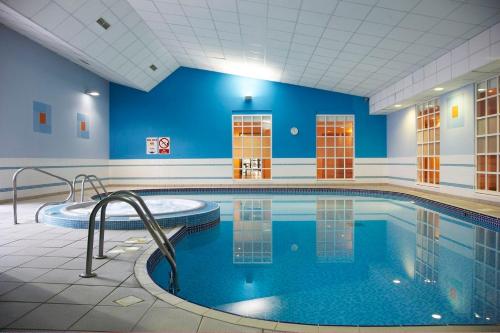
457, 147
219, 171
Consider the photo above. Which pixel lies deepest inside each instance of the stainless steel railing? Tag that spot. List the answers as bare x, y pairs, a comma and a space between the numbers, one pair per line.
14, 191
150, 223
90, 178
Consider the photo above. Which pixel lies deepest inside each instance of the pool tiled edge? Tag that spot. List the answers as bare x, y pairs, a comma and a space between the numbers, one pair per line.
476, 217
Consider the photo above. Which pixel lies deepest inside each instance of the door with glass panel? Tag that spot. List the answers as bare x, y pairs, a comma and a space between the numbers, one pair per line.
252, 146
488, 136
335, 147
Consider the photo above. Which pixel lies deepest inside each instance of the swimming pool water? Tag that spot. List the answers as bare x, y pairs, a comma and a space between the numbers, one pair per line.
340, 260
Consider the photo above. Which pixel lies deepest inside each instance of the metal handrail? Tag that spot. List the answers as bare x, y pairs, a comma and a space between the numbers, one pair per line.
14, 191
89, 178
150, 223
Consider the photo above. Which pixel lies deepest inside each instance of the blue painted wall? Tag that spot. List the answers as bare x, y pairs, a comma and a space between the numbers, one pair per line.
30, 72
194, 107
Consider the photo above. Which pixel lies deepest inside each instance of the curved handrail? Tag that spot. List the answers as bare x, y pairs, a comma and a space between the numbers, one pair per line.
100, 183
14, 191
149, 223
89, 178
74, 183
82, 193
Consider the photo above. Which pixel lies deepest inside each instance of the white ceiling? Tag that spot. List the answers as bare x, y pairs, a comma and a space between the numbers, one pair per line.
353, 46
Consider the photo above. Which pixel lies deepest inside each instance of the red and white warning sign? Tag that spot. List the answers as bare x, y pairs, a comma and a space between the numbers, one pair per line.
164, 145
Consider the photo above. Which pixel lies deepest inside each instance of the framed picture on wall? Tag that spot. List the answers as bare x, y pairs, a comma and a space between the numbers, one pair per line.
42, 117
455, 111
82, 126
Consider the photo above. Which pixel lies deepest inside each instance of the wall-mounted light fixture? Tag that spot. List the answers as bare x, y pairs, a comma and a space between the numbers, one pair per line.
94, 93
398, 105
248, 98
438, 89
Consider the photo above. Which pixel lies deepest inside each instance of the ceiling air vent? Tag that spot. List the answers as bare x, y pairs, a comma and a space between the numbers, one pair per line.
153, 67
103, 23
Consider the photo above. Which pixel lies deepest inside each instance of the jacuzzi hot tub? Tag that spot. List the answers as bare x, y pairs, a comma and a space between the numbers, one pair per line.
168, 212
157, 204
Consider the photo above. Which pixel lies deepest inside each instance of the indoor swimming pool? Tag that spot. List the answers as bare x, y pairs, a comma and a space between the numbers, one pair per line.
334, 259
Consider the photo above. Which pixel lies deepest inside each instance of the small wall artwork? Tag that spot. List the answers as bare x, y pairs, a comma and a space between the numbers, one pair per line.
42, 117
455, 112
82, 126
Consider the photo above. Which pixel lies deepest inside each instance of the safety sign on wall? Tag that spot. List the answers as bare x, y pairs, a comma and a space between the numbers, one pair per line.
151, 146
164, 145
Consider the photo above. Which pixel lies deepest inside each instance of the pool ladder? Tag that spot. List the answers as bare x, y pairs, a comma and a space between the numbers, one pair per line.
150, 223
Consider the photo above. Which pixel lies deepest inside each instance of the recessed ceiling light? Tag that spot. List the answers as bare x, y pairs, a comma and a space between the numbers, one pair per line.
397, 105
436, 316
103, 23
92, 92
438, 89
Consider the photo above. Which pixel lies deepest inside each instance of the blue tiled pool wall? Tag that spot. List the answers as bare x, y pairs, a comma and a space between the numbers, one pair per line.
457, 212
192, 219
155, 258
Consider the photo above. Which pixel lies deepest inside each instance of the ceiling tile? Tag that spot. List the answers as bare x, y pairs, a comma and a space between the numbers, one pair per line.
313, 18
451, 28
69, 28
435, 8
283, 13
418, 22
403, 5
405, 35
375, 29
352, 10
387, 16
50, 16
320, 6
469, 13
364, 39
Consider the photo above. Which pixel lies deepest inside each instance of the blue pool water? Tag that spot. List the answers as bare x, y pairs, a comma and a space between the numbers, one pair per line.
339, 260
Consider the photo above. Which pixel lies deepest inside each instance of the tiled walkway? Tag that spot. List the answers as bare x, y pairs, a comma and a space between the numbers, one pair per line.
40, 287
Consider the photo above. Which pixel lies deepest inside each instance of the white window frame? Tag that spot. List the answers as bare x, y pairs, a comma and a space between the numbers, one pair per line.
487, 192
270, 147
418, 182
353, 148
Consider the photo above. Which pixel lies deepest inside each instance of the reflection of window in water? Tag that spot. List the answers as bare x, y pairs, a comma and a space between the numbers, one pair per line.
252, 231
334, 230
486, 304
427, 259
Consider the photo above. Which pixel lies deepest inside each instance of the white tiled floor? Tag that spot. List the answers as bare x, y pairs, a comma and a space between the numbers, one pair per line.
40, 287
